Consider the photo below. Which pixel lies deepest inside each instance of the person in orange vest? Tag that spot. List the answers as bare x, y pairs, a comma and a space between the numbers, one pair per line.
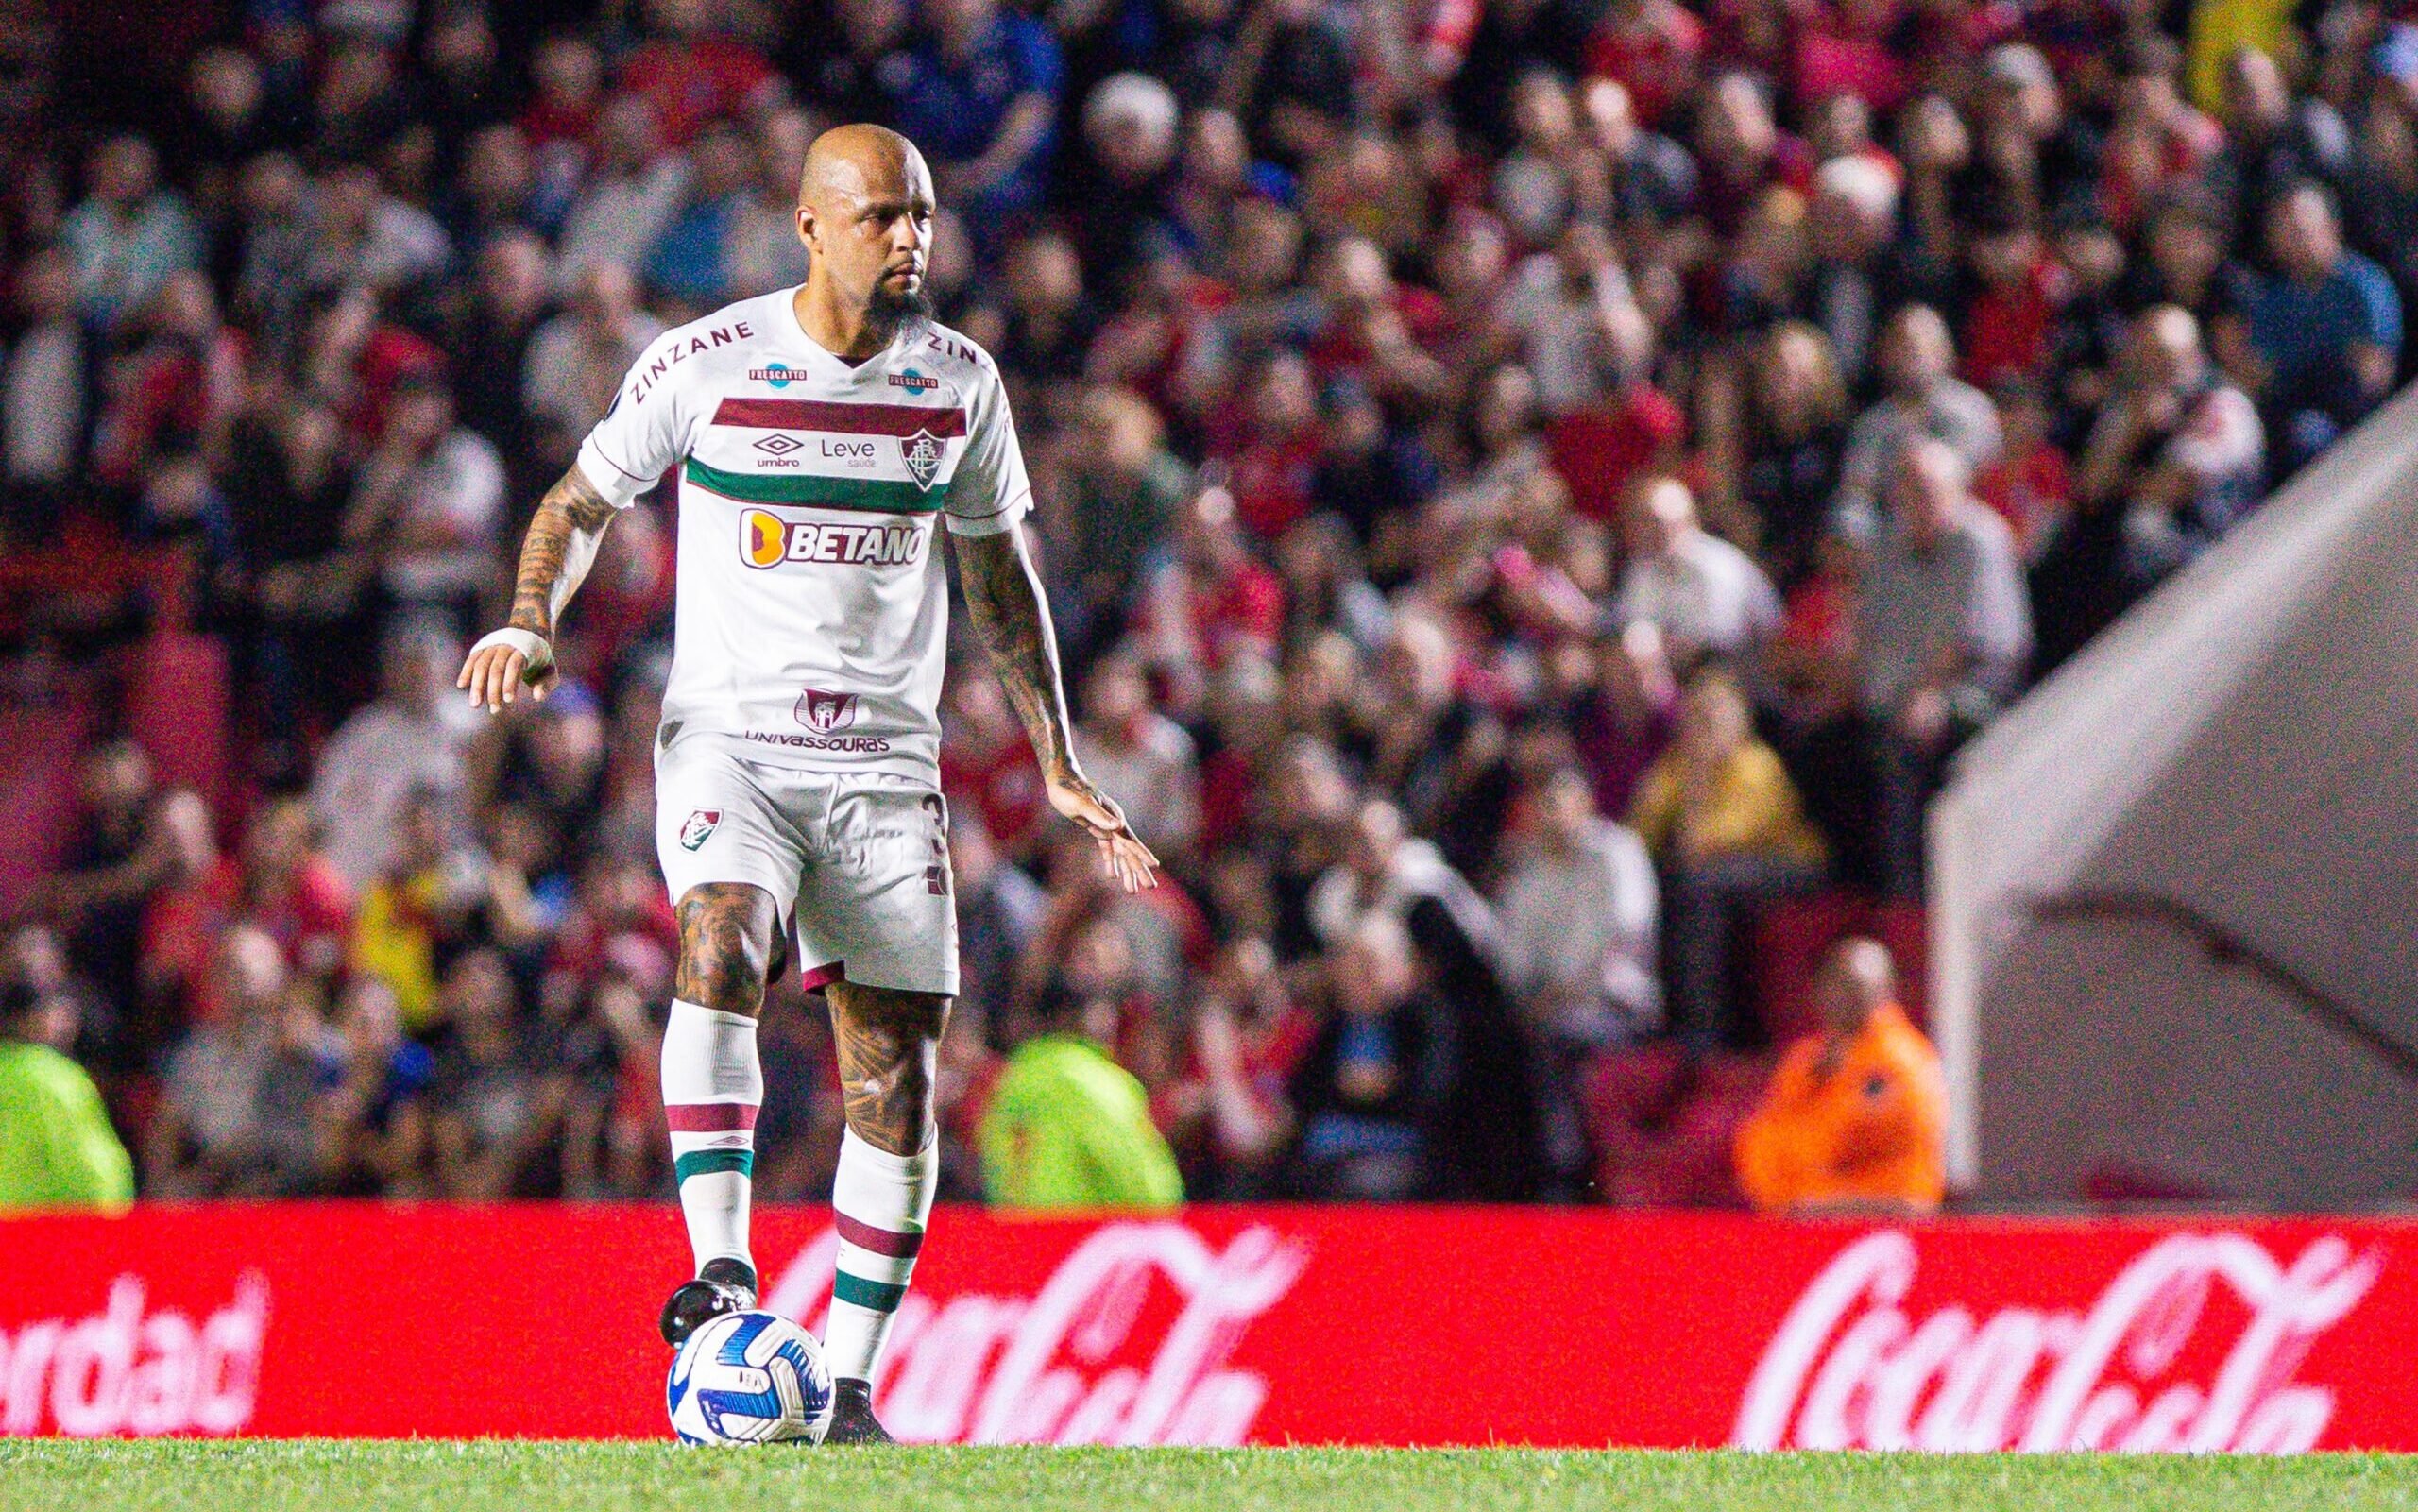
1855, 1117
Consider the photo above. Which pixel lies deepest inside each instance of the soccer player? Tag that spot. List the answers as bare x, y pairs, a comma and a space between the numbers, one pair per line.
822, 432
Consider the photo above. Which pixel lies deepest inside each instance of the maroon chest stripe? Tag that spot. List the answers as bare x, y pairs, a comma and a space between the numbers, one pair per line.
847, 419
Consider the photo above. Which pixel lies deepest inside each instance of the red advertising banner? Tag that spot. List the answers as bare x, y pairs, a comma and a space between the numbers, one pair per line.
1258, 1325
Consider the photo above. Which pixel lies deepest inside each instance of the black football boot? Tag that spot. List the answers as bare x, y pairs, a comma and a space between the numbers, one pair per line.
725, 1285
852, 1419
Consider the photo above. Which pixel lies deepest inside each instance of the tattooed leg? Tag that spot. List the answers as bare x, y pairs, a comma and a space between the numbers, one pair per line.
712, 1086
888, 1042
883, 1194
726, 947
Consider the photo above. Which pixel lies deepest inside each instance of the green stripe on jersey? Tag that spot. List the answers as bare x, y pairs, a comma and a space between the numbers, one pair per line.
703, 1162
881, 1296
882, 496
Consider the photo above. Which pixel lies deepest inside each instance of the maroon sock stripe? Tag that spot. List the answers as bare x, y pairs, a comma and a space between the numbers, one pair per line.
878, 1241
710, 1117
844, 419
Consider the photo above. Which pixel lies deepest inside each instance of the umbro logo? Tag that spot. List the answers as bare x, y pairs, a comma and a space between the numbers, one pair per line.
778, 446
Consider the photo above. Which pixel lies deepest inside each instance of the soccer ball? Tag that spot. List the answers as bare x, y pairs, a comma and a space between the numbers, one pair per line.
749, 1378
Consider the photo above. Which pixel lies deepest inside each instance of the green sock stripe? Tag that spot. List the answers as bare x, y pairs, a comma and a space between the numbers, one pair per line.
882, 1297
702, 1162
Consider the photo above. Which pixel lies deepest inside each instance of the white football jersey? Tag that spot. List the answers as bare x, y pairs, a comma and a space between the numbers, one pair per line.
812, 627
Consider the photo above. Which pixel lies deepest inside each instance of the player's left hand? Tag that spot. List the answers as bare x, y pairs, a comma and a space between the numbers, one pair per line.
1122, 855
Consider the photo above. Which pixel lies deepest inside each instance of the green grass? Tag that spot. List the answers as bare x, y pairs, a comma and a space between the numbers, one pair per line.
323, 1476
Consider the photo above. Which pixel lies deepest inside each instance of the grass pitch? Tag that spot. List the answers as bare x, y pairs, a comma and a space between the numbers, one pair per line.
449, 1476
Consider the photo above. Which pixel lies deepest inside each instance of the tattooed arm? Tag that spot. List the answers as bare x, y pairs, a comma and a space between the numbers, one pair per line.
554, 558
1010, 619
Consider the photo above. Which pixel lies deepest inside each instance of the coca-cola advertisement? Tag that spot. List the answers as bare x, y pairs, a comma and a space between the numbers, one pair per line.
1252, 1325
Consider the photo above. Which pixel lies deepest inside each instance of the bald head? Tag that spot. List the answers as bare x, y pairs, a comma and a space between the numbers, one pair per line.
864, 212
859, 161
1857, 979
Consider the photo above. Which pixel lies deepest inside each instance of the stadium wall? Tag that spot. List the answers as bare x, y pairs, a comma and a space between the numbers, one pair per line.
2171, 905
1250, 1325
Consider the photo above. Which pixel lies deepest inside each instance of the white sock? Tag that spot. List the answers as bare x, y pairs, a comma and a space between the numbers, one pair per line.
711, 1088
882, 1202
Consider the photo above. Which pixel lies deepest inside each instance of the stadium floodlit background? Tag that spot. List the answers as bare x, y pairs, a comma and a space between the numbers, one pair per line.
1563, 476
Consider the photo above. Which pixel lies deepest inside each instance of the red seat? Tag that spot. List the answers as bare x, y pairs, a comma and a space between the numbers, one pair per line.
1662, 1124
1905, 928
38, 792
176, 709
1790, 938
1793, 935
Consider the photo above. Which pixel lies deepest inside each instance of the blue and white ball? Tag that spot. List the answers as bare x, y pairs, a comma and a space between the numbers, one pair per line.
750, 1378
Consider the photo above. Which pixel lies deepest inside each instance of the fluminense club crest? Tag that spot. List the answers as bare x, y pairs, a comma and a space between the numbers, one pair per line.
922, 453
699, 828
827, 712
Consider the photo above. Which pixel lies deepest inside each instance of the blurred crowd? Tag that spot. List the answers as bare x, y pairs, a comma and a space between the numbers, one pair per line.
1527, 489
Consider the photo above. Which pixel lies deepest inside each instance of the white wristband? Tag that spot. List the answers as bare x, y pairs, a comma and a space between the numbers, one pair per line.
536, 655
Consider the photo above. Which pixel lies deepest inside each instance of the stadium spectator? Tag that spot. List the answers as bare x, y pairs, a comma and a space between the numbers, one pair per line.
1777, 431
1370, 1091
628, 197
1855, 1119
980, 94
1705, 596
1729, 829
386, 750
576, 360
2176, 456
1578, 924
1224, 1108
692, 70
496, 1103
690, 263
1142, 759
1386, 871
1124, 490
56, 1147
45, 388
235, 1117
1943, 630
128, 234
371, 1114
1920, 396
1579, 915
2322, 331
119, 855
1069, 1127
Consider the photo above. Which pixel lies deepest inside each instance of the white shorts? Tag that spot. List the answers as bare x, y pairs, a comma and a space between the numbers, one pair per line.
857, 862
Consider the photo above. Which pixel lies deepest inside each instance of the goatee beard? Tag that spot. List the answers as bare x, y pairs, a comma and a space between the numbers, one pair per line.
889, 311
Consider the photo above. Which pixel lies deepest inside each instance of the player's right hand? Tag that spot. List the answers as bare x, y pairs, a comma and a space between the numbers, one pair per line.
496, 675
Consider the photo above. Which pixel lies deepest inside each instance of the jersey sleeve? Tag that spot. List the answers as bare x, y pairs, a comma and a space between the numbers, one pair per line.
644, 434
988, 491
